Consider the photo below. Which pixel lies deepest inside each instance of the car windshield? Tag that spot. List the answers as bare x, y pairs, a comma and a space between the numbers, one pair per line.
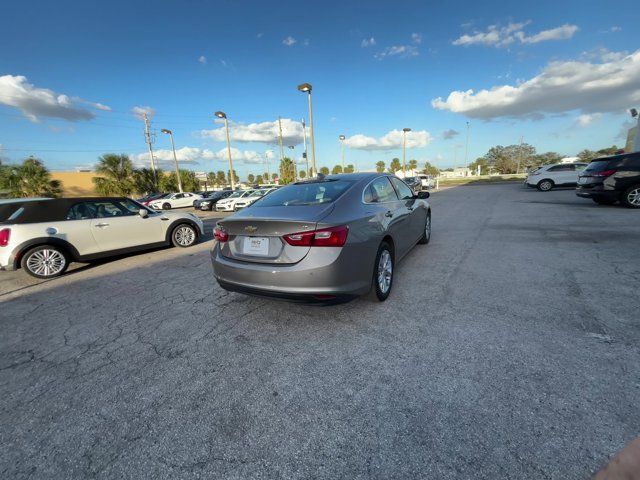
236, 195
311, 193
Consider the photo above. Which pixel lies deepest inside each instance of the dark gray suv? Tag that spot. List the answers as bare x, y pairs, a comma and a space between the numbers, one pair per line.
608, 180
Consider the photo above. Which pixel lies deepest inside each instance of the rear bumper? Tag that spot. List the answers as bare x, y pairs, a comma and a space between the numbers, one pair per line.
597, 191
339, 272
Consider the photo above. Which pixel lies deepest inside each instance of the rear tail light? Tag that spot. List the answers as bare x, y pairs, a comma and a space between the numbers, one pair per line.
326, 237
220, 233
604, 173
5, 235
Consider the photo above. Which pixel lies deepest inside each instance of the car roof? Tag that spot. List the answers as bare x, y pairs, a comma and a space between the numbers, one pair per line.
48, 210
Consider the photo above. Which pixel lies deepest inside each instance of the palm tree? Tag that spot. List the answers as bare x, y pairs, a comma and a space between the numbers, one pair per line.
380, 166
117, 177
144, 180
251, 178
31, 179
413, 165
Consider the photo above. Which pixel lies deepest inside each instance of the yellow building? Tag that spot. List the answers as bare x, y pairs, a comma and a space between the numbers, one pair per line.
76, 184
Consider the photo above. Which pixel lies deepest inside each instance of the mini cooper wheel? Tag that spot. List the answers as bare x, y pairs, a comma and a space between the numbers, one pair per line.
631, 197
166, 206
426, 234
383, 272
45, 261
545, 185
184, 236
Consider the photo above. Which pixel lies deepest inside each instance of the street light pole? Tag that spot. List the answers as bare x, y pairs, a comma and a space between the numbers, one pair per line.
304, 139
175, 158
293, 163
466, 148
404, 149
306, 87
226, 126
342, 138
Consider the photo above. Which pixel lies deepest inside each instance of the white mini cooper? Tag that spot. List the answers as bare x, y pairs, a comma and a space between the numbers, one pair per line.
44, 235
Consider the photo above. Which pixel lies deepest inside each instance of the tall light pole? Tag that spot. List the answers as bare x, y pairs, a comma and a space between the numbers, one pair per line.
636, 139
304, 139
175, 158
149, 139
226, 126
293, 163
306, 87
404, 149
342, 138
466, 148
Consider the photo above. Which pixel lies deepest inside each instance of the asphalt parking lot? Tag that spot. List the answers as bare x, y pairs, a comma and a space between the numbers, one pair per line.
508, 349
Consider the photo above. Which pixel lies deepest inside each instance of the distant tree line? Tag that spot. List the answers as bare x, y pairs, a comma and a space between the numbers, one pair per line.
28, 179
520, 158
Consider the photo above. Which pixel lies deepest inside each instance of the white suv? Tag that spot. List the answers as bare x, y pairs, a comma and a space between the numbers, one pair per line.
44, 236
557, 175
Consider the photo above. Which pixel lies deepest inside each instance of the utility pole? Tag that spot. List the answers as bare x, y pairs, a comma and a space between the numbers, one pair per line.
280, 139
149, 140
304, 140
519, 155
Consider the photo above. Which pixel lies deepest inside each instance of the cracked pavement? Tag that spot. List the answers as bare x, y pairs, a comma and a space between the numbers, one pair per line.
508, 349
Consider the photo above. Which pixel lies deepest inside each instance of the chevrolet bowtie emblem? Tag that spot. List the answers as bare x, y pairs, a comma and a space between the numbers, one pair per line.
250, 229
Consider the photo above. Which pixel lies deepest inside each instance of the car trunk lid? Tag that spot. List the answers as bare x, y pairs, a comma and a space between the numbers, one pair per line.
255, 234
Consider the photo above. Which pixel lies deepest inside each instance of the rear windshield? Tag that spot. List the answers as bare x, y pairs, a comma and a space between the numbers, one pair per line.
305, 194
597, 166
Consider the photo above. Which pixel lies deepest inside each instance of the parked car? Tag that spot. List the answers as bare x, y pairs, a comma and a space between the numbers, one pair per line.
608, 180
44, 236
174, 200
150, 198
547, 177
427, 181
256, 195
208, 202
322, 239
414, 183
229, 204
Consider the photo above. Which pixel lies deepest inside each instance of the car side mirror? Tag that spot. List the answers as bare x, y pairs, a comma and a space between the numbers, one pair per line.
143, 213
423, 195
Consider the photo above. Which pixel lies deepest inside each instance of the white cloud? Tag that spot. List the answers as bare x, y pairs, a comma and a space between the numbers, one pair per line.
449, 134
289, 41
140, 110
194, 156
560, 87
494, 36
587, 119
263, 132
389, 141
416, 38
616, 29
202, 59
402, 51
501, 36
368, 42
562, 32
34, 102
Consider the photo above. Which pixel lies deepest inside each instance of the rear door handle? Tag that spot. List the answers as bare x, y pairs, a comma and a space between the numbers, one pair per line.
388, 214
100, 225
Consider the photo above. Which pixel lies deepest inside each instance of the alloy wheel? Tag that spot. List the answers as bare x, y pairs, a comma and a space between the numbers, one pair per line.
185, 236
46, 262
633, 197
385, 271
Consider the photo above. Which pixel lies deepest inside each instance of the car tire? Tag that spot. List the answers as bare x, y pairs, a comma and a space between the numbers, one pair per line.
382, 289
545, 185
604, 201
45, 261
631, 197
166, 206
426, 234
184, 235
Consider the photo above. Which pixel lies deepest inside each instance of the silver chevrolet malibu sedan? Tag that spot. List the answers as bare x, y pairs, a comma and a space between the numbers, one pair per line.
324, 239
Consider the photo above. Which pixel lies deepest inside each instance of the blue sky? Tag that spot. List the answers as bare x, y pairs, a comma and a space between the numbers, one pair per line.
71, 73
